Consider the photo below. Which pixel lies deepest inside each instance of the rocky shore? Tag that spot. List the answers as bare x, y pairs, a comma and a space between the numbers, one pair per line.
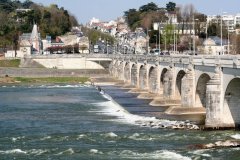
158, 124
7, 80
218, 144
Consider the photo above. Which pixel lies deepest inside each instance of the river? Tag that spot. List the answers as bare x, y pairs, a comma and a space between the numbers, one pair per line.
77, 122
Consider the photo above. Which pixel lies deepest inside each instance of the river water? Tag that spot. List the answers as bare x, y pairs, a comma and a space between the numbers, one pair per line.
77, 122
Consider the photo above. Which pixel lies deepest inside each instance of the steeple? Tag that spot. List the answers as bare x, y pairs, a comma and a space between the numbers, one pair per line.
35, 35
36, 39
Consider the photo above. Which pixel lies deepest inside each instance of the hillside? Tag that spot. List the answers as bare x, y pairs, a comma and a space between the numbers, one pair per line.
18, 17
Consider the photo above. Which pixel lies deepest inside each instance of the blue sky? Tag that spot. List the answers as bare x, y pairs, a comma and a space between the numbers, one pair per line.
107, 10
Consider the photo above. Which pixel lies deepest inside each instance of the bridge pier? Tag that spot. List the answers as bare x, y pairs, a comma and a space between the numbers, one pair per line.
143, 77
127, 73
168, 84
188, 89
215, 115
134, 75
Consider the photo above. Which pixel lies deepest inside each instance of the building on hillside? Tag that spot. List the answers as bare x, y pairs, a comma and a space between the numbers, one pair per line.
34, 39
83, 45
238, 31
69, 39
179, 28
229, 21
19, 12
49, 43
237, 19
30, 43
25, 48
172, 18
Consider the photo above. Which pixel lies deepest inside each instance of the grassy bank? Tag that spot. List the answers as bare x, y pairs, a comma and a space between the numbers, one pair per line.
44, 80
10, 63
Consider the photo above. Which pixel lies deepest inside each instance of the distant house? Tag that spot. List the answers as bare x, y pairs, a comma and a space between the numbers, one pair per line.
25, 48
212, 46
178, 28
57, 42
83, 45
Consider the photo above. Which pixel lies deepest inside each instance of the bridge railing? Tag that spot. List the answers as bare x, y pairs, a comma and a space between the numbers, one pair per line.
231, 61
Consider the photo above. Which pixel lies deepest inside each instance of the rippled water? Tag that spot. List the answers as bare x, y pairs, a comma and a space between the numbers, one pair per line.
77, 122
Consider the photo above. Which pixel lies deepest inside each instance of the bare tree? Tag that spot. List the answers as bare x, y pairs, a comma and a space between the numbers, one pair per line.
235, 39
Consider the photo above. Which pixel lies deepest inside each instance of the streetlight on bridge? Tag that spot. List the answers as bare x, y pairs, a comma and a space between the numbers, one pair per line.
148, 38
156, 41
194, 36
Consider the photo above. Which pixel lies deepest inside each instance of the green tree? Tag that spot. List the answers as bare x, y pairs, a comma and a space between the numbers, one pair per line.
51, 20
27, 4
15, 43
149, 7
132, 17
170, 6
214, 29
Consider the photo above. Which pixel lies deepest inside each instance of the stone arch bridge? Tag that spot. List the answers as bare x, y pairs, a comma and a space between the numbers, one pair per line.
210, 82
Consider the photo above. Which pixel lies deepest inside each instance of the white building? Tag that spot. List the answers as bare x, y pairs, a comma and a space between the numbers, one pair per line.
237, 19
172, 18
228, 20
83, 45
94, 20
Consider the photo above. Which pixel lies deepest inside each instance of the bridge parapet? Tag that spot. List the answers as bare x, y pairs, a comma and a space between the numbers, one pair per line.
228, 61
224, 61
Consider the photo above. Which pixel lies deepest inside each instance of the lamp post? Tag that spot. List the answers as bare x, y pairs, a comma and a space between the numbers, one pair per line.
159, 48
148, 40
156, 40
228, 49
107, 46
165, 48
136, 43
221, 35
174, 40
194, 36
228, 40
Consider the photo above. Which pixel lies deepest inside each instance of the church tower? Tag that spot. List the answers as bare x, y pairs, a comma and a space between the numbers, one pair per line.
36, 40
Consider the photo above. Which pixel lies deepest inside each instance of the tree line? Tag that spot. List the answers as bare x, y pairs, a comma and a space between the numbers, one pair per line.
52, 20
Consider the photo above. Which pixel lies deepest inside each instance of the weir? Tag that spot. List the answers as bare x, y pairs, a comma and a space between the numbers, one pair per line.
192, 85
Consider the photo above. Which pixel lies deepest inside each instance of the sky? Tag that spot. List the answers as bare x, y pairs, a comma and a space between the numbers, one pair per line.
106, 10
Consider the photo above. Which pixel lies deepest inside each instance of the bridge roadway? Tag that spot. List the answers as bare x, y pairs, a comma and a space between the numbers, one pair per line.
198, 82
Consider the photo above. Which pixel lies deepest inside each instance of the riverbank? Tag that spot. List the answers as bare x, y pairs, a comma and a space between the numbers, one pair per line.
44, 80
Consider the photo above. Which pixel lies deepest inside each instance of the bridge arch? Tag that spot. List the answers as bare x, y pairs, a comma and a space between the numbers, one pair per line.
127, 72
143, 77
163, 74
232, 100
152, 80
134, 74
201, 88
178, 88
